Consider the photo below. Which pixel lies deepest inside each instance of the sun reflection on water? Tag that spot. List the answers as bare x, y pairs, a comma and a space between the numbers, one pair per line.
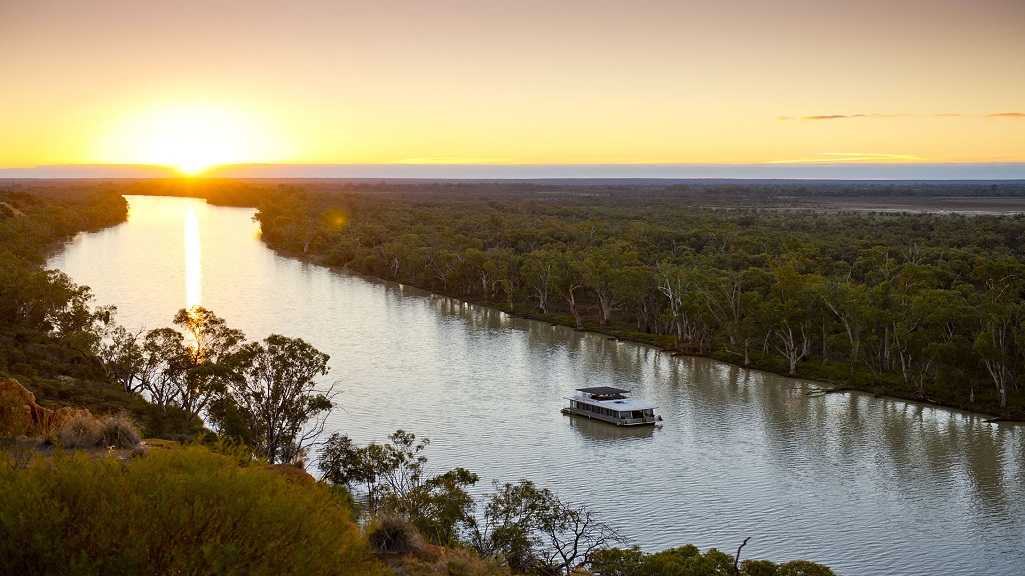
193, 269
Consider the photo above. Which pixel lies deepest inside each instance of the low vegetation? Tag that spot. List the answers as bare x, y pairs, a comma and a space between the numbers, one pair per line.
179, 511
690, 561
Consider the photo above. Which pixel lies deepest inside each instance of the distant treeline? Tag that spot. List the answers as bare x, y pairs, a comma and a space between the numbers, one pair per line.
622, 192
916, 305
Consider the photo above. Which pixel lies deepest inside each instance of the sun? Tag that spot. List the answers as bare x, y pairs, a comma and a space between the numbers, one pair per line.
191, 139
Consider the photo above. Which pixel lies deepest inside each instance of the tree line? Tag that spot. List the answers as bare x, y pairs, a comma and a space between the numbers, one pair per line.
924, 306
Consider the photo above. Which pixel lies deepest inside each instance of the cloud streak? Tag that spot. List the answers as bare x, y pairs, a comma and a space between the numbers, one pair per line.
835, 157
950, 115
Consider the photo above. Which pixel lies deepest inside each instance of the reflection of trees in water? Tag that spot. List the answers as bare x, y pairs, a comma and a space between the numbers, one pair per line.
903, 446
913, 457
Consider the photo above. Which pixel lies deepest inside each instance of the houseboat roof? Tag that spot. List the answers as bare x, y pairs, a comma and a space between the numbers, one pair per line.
603, 391
616, 402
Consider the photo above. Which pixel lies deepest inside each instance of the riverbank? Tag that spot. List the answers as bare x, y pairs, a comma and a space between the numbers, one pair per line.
664, 344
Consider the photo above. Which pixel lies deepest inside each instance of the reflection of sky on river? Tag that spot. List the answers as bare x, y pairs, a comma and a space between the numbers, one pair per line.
867, 485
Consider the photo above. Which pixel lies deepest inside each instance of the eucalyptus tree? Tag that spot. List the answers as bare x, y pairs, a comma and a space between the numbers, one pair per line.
849, 303
536, 532
539, 274
1003, 313
392, 477
211, 357
275, 395
790, 313
569, 282
608, 271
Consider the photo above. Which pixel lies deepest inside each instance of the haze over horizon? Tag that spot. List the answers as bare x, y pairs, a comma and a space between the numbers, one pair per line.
893, 171
746, 87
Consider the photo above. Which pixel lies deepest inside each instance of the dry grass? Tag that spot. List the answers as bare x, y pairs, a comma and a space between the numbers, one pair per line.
120, 432
81, 431
393, 534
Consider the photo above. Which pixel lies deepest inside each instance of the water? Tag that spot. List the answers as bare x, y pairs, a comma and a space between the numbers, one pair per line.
865, 485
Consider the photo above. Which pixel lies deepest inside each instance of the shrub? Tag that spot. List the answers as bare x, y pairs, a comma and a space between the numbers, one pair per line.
689, 560
175, 511
393, 534
120, 431
81, 431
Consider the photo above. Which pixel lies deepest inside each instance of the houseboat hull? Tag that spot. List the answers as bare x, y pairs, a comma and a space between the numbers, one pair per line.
642, 421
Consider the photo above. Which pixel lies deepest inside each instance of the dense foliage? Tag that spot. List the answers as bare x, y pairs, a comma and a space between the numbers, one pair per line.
48, 329
924, 306
521, 526
178, 511
262, 395
690, 561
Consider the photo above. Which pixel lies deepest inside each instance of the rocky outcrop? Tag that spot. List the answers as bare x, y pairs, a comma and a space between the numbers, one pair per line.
21, 416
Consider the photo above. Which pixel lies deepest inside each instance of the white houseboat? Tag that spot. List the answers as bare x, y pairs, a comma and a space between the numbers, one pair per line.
611, 405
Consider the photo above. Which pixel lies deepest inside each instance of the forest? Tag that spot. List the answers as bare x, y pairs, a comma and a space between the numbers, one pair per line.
924, 306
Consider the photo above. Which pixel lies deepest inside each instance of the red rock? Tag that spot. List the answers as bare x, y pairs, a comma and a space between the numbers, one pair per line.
21, 416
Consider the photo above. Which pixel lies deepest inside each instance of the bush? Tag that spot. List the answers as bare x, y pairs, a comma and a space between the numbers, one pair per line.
81, 431
174, 511
120, 432
689, 560
393, 534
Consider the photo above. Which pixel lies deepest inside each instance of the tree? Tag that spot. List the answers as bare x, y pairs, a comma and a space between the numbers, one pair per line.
849, 303
275, 396
343, 463
539, 275
165, 362
391, 478
537, 532
569, 280
212, 352
609, 272
121, 354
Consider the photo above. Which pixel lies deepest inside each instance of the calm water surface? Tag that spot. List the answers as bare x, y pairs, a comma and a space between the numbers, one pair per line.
867, 486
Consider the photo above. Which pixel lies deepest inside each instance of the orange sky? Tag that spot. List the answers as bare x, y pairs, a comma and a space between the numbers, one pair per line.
194, 83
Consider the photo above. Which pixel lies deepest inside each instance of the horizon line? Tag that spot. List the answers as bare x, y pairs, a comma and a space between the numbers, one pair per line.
659, 171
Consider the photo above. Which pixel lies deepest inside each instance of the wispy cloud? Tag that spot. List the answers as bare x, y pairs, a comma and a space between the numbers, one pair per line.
950, 115
835, 157
842, 116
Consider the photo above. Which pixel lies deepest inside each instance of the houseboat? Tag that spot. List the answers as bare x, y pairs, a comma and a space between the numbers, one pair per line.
611, 405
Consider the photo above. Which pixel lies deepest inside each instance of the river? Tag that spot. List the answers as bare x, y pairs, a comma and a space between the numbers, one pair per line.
866, 485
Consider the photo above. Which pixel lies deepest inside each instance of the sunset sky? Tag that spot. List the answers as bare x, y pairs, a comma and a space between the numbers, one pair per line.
196, 83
